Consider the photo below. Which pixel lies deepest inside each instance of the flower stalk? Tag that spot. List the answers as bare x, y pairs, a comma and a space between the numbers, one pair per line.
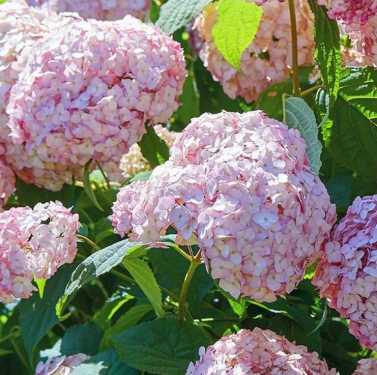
296, 82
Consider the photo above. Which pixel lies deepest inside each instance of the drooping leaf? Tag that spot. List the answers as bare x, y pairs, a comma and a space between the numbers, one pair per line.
163, 346
153, 148
144, 277
88, 185
177, 13
298, 115
327, 49
237, 25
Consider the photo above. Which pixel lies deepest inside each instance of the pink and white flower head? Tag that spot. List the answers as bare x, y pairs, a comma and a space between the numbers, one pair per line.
268, 58
86, 93
7, 182
61, 365
347, 274
366, 366
105, 10
239, 184
257, 352
34, 242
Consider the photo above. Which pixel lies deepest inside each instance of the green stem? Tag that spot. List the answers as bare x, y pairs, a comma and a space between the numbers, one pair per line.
308, 91
11, 335
296, 82
182, 252
90, 242
104, 175
185, 287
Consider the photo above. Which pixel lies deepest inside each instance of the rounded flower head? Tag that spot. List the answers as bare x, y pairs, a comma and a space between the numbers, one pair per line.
61, 365
257, 352
366, 366
34, 242
86, 93
268, 58
347, 274
7, 182
240, 185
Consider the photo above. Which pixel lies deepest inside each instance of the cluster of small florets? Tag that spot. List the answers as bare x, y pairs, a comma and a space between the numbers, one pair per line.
366, 366
240, 183
7, 182
86, 93
105, 10
34, 243
347, 275
257, 352
133, 162
61, 365
268, 58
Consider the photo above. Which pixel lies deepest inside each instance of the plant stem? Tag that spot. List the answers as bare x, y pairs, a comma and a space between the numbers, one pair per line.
296, 82
185, 287
90, 242
104, 175
11, 335
308, 91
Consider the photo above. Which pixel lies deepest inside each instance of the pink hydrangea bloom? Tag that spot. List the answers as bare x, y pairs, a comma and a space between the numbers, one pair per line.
34, 242
86, 93
241, 186
61, 365
366, 366
268, 58
347, 274
7, 182
257, 352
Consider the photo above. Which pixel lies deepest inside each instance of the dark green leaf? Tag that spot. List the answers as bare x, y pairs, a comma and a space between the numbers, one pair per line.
153, 148
88, 185
163, 346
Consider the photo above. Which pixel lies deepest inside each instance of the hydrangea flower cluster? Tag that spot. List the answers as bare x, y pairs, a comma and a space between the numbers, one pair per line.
347, 275
105, 10
240, 183
268, 58
366, 366
133, 162
61, 365
257, 352
7, 183
86, 92
34, 242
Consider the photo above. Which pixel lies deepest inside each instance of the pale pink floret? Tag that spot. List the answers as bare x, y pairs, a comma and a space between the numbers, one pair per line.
366, 366
268, 59
34, 242
61, 365
86, 93
7, 182
257, 352
347, 275
240, 186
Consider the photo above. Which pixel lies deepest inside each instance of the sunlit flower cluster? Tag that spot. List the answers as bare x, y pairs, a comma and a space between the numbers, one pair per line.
347, 275
61, 365
7, 182
268, 59
34, 243
242, 184
86, 93
105, 10
366, 367
257, 352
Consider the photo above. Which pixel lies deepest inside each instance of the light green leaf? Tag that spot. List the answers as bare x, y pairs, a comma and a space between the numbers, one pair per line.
298, 115
40, 285
144, 277
88, 185
177, 13
237, 25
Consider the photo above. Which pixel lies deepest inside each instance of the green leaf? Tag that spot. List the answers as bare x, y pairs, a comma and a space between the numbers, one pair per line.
298, 115
82, 339
238, 308
350, 132
37, 316
327, 49
177, 13
141, 176
105, 363
163, 346
88, 185
237, 25
96, 265
153, 148
144, 277
126, 321
40, 285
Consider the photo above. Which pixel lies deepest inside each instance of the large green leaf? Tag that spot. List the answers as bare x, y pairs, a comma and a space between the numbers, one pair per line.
97, 264
144, 277
350, 132
327, 49
163, 346
177, 13
237, 25
298, 115
105, 363
37, 316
